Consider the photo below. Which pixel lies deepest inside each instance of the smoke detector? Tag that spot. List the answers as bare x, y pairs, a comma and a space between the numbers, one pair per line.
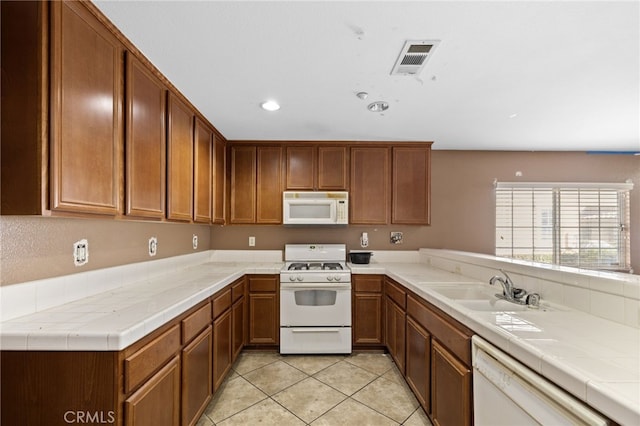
413, 56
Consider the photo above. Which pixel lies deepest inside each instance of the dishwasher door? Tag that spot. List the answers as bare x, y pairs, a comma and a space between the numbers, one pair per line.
508, 393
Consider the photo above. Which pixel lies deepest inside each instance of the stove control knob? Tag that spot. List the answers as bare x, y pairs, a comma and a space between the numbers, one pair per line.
292, 278
329, 278
337, 278
299, 278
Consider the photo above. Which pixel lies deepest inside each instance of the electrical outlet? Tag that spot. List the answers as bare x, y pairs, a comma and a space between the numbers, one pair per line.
252, 241
81, 252
195, 241
153, 246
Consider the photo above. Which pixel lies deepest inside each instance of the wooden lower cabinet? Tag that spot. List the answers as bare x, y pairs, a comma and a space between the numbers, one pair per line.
395, 323
451, 389
418, 363
197, 377
221, 348
238, 314
157, 402
367, 310
264, 310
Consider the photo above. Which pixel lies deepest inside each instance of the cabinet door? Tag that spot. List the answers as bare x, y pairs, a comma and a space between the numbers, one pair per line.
221, 348
301, 167
395, 329
411, 185
369, 196
263, 319
202, 173
243, 184
418, 367
219, 178
367, 310
145, 142
333, 168
180, 160
86, 112
157, 402
451, 389
269, 185
238, 312
197, 377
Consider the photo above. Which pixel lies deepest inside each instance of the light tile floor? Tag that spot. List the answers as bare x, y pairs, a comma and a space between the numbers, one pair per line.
272, 389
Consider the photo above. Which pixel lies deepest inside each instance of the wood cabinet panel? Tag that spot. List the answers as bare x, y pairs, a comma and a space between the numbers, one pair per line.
451, 389
145, 142
367, 310
221, 348
219, 178
367, 319
301, 167
221, 301
452, 334
418, 363
157, 402
396, 293
139, 366
202, 172
269, 185
264, 319
179, 160
263, 283
243, 184
195, 322
197, 377
395, 329
411, 190
369, 196
333, 168
86, 112
239, 315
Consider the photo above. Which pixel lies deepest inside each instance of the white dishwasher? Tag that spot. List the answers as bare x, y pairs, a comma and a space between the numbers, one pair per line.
505, 392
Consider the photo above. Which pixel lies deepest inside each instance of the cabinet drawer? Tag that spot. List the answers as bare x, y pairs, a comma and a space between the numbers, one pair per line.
195, 322
237, 290
396, 294
139, 366
264, 284
456, 338
368, 284
221, 302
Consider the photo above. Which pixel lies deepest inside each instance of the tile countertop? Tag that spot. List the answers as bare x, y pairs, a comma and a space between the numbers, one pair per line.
595, 359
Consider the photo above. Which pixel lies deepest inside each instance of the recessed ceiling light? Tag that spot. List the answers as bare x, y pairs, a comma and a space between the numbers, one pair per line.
270, 106
378, 106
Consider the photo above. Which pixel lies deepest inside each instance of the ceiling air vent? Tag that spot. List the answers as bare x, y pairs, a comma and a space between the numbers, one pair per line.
414, 56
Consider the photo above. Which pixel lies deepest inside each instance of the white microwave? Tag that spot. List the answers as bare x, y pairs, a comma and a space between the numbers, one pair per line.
315, 208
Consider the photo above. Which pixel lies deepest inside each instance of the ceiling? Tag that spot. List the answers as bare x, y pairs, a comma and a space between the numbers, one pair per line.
510, 75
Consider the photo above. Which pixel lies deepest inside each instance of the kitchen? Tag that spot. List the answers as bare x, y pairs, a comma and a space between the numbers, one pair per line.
462, 209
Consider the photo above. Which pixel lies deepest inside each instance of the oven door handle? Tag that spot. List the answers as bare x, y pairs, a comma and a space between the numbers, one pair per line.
314, 286
315, 330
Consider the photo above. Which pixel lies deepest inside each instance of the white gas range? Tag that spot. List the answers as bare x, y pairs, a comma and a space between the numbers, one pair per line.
315, 300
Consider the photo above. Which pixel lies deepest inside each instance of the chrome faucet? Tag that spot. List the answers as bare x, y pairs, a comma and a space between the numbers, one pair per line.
509, 291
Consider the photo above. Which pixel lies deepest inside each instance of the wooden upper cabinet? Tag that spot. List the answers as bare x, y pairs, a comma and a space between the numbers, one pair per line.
179, 160
301, 167
203, 172
369, 197
145, 141
219, 178
321, 168
242, 207
269, 185
411, 185
86, 112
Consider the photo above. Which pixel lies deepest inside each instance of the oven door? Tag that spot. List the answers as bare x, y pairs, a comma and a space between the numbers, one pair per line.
315, 305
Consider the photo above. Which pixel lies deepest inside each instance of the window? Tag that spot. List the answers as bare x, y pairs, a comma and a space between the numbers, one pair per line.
584, 225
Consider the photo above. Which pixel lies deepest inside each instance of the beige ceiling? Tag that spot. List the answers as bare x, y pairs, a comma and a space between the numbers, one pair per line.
513, 75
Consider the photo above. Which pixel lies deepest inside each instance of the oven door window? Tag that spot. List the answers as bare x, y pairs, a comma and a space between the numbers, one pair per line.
315, 297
